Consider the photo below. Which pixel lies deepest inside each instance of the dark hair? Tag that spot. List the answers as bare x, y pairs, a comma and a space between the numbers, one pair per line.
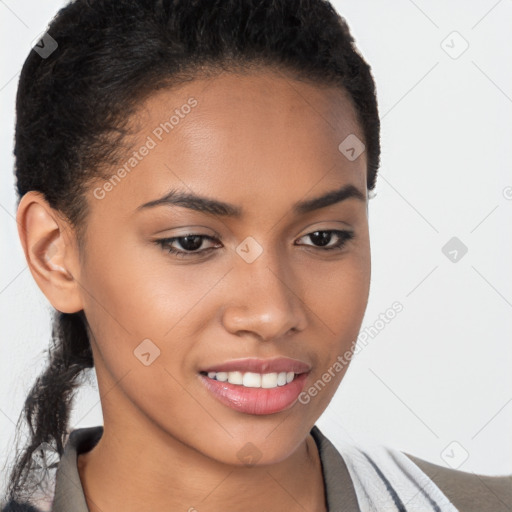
73, 107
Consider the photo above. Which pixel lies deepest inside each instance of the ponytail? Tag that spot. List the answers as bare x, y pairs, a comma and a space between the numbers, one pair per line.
48, 405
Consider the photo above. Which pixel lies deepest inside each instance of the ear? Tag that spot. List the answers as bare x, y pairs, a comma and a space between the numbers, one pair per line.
50, 251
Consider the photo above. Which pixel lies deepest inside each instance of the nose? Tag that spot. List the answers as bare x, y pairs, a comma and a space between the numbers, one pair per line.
265, 299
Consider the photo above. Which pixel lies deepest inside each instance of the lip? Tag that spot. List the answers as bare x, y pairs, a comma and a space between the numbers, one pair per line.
258, 401
256, 365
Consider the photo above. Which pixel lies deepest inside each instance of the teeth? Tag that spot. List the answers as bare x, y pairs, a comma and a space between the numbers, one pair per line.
235, 377
269, 380
254, 380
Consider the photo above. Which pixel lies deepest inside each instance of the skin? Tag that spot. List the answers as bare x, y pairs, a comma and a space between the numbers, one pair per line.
262, 141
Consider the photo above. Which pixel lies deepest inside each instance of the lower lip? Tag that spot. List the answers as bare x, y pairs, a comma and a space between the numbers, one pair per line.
256, 400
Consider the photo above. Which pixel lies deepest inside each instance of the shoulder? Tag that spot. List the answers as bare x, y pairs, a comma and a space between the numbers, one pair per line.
78, 441
469, 492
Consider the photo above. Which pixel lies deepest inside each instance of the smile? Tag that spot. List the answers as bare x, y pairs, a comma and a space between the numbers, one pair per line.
255, 393
253, 380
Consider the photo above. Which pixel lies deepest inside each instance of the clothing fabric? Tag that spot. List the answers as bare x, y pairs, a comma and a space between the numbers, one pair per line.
386, 480
373, 478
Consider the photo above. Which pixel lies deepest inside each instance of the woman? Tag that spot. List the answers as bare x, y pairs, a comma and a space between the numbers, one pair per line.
194, 180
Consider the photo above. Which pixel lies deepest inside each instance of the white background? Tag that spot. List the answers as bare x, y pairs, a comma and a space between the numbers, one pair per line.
436, 381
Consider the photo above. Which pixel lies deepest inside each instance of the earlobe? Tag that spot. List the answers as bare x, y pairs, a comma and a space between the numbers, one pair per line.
47, 251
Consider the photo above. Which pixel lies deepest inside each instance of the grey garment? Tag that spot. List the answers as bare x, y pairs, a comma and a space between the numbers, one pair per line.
470, 492
339, 491
69, 494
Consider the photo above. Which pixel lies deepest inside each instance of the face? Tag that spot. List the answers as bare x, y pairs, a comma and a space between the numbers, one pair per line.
173, 293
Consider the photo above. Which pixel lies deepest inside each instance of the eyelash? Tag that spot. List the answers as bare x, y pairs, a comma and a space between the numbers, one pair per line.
165, 243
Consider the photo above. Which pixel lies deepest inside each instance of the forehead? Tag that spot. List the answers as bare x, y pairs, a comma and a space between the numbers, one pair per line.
248, 99
242, 137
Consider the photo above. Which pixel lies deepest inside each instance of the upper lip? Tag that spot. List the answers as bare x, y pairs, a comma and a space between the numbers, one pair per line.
275, 365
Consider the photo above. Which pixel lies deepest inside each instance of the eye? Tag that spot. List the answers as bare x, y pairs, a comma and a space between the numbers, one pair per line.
324, 237
190, 243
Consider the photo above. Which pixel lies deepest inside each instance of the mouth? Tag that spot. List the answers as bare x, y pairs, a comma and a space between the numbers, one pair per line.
252, 379
256, 386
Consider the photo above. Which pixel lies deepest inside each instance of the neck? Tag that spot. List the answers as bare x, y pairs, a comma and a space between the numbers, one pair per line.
130, 473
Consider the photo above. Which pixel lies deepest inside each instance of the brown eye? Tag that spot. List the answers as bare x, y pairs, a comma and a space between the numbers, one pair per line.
322, 238
189, 243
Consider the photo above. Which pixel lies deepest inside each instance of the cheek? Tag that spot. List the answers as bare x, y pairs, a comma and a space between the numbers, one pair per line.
140, 293
138, 287
338, 301
337, 293
337, 296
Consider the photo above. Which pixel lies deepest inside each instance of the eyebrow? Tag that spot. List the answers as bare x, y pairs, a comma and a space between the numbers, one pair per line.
213, 206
